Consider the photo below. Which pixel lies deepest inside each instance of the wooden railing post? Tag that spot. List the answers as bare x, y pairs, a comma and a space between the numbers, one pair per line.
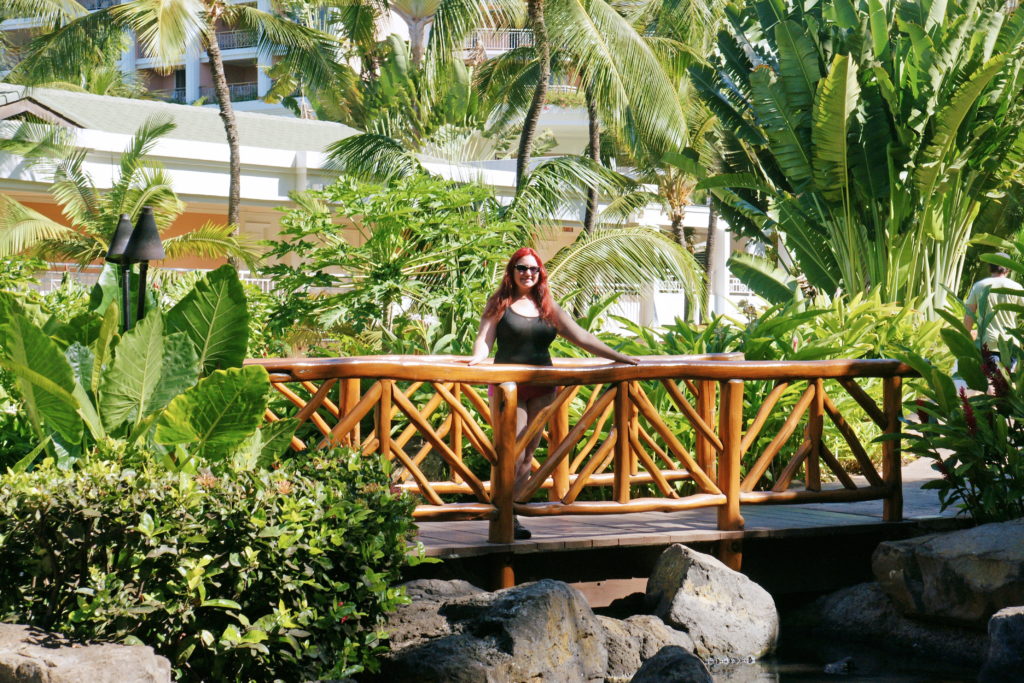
815, 429
892, 408
731, 433
383, 421
503, 473
623, 449
456, 431
706, 409
558, 429
349, 390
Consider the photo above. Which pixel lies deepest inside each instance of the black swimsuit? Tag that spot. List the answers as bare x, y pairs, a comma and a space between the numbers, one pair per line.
525, 340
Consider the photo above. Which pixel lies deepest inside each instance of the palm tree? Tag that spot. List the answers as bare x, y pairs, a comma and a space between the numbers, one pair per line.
166, 29
93, 214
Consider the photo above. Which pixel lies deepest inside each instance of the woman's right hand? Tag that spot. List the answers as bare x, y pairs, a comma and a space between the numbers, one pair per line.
476, 360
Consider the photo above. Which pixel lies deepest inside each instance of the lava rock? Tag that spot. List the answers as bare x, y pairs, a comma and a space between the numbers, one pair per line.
961, 577
673, 664
29, 655
1004, 662
724, 612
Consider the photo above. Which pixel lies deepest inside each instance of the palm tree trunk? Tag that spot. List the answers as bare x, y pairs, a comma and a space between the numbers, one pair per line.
590, 218
535, 14
227, 115
417, 40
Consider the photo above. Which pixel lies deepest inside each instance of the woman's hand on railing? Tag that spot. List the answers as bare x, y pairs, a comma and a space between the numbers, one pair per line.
476, 360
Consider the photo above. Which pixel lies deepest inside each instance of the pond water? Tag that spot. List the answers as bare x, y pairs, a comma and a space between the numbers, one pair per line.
848, 663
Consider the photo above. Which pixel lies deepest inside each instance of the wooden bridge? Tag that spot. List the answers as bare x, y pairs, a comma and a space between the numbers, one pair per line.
667, 435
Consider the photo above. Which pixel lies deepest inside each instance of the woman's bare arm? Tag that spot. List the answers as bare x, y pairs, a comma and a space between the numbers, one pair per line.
568, 328
484, 340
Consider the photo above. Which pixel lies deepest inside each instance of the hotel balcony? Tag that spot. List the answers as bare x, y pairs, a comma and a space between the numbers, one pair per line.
498, 40
239, 92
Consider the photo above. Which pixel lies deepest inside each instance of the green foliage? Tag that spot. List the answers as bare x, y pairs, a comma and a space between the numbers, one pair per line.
81, 383
866, 139
240, 573
417, 272
854, 327
975, 433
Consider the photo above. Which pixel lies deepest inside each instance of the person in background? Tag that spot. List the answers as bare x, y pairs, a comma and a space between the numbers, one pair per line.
1002, 321
523, 318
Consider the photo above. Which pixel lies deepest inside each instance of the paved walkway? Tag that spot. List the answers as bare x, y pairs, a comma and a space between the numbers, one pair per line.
577, 532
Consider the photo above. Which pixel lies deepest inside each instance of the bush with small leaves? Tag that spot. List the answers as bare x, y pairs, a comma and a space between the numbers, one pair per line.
240, 573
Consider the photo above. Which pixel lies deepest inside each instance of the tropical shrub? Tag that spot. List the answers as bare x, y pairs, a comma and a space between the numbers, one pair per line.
172, 379
867, 139
415, 279
240, 573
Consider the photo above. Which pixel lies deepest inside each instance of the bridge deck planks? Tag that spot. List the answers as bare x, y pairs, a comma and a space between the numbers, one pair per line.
576, 532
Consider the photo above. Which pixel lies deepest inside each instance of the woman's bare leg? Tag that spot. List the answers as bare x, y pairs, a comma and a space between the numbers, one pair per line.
524, 416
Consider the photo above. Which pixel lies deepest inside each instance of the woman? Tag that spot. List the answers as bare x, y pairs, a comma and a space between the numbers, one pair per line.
524, 320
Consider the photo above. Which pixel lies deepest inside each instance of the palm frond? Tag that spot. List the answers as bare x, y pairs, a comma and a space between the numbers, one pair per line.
38, 143
61, 53
213, 241
624, 256
22, 228
165, 30
50, 12
133, 159
74, 190
310, 52
621, 69
559, 185
375, 158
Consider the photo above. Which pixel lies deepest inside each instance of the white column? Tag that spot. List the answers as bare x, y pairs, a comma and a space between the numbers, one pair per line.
192, 65
719, 276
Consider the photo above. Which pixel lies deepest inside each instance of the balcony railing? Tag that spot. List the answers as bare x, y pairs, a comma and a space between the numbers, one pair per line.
239, 92
93, 5
501, 39
176, 95
232, 40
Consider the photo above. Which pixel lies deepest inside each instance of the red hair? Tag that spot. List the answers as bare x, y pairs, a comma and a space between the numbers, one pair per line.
540, 293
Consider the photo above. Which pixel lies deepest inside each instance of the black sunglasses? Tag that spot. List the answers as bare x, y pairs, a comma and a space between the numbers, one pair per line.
533, 270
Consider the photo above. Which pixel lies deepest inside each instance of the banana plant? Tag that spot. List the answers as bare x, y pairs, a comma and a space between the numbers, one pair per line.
174, 379
865, 137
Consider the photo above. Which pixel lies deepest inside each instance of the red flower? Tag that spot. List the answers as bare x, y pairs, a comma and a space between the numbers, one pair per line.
972, 422
922, 416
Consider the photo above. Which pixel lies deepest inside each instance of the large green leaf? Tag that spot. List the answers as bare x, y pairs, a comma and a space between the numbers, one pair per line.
104, 345
127, 388
768, 281
218, 413
833, 107
785, 125
215, 318
180, 369
44, 377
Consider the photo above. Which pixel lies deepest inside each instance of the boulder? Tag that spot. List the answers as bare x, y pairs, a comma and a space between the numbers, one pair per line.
673, 664
1004, 662
537, 631
724, 612
422, 619
636, 639
961, 577
864, 614
30, 655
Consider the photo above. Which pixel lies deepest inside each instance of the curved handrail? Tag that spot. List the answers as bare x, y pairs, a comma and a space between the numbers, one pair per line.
573, 371
620, 438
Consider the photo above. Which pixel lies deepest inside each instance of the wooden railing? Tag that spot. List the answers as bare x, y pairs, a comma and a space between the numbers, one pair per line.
668, 434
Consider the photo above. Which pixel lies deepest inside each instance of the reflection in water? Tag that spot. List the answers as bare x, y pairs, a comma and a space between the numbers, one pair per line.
849, 663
